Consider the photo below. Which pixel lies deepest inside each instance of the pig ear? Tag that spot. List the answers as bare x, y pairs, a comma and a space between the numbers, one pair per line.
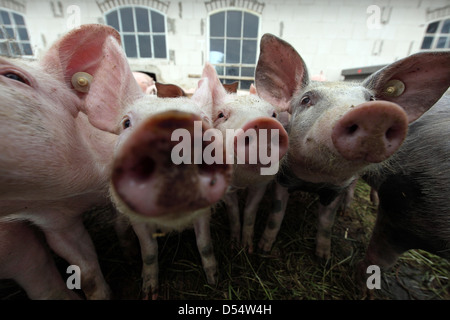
169, 90
253, 89
93, 54
231, 87
416, 83
280, 71
218, 91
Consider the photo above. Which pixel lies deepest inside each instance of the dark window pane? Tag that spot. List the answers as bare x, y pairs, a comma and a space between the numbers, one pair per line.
441, 42
234, 21
130, 46
250, 25
159, 44
26, 47
126, 15
426, 44
217, 25
23, 34
18, 19
112, 19
157, 22
446, 26
142, 20
145, 48
432, 27
245, 84
233, 53
5, 18
10, 33
232, 71
247, 72
249, 51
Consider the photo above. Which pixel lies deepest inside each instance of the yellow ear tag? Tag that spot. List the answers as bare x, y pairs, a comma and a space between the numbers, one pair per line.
81, 81
394, 88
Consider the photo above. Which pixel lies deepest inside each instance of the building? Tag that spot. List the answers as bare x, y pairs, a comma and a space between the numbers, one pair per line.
173, 39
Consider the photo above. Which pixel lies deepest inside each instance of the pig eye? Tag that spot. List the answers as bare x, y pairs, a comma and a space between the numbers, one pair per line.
306, 100
126, 123
274, 115
14, 76
221, 115
372, 98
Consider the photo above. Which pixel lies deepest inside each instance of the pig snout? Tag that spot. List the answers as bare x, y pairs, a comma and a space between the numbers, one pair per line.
149, 183
371, 131
259, 138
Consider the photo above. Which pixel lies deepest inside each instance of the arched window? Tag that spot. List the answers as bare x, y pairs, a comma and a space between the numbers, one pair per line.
437, 35
14, 38
143, 31
233, 44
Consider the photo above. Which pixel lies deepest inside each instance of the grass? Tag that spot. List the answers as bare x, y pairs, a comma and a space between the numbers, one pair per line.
290, 271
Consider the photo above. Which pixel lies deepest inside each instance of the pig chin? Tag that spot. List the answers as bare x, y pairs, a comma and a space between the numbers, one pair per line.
316, 162
171, 220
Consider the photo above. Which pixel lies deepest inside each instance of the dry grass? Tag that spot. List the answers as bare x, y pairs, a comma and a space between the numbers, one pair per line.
290, 272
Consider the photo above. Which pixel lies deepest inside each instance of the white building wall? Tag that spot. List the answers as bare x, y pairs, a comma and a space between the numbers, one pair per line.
331, 35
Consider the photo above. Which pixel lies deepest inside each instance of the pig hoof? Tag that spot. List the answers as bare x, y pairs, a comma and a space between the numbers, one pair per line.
323, 252
146, 294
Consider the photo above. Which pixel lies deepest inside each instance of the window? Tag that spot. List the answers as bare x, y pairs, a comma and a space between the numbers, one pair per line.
233, 43
437, 35
14, 39
142, 30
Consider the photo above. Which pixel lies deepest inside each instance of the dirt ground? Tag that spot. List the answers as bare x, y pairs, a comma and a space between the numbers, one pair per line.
289, 272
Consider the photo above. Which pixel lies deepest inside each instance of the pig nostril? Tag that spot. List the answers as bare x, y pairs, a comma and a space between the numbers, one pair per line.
352, 129
247, 141
143, 169
391, 133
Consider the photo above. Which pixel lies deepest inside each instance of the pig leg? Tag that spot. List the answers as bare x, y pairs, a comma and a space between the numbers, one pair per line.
254, 196
205, 247
374, 197
149, 252
232, 203
349, 195
72, 242
24, 258
326, 215
275, 218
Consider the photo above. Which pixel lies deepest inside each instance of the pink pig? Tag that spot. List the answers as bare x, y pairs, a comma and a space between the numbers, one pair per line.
248, 115
60, 121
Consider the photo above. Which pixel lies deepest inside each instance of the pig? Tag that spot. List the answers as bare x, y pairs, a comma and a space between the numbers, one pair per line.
233, 112
145, 82
60, 121
338, 130
413, 188
54, 164
133, 184
25, 259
